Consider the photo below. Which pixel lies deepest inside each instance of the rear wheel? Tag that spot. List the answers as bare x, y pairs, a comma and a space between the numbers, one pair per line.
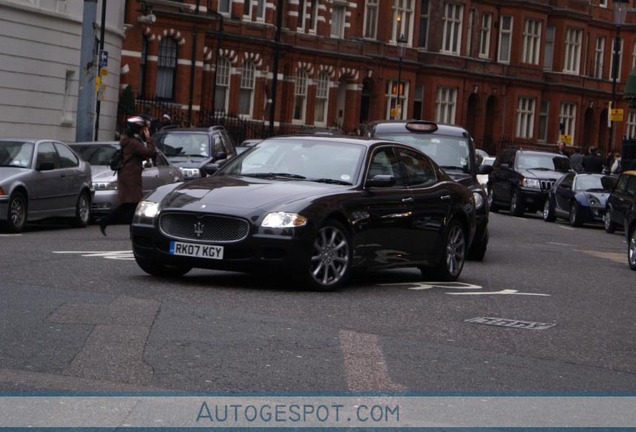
548, 211
162, 270
516, 207
610, 226
453, 255
17, 214
330, 263
82, 211
491, 201
575, 215
631, 249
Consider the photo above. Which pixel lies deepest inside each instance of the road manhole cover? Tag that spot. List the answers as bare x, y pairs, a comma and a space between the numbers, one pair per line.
503, 322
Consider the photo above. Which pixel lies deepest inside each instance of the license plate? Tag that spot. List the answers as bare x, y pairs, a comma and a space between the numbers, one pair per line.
196, 250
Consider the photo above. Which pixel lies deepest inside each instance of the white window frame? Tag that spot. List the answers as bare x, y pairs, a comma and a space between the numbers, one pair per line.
572, 51
567, 118
446, 105
505, 38
225, 7
300, 96
526, 107
485, 32
599, 57
371, 19
393, 97
402, 19
222, 84
531, 41
452, 22
338, 20
548, 51
602, 3
246, 93
620, 60
631, 124
255, 7
424, 23
322, 99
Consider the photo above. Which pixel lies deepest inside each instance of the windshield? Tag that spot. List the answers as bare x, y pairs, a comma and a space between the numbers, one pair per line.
449, 152
16, 154
184, 144
588, 183
323, 161
545, 161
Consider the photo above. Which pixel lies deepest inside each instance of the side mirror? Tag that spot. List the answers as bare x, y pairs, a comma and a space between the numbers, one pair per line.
219, 155
381, 180
209, 169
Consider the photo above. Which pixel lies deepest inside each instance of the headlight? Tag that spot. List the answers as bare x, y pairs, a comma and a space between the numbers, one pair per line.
593, 201
479, 200
146, 212
531, 183
283, 220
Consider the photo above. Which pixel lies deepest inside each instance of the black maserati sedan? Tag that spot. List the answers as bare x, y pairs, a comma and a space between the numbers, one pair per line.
315, 207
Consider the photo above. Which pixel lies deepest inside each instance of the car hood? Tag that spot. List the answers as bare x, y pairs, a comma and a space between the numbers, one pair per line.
541, 174
11, 174
224, 192
601, 196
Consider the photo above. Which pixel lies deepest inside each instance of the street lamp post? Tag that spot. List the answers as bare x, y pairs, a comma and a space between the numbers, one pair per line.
401, 43
620, 14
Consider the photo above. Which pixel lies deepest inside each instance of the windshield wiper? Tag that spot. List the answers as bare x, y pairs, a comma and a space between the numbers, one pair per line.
193, 155
540, 169
330, 181
273, 174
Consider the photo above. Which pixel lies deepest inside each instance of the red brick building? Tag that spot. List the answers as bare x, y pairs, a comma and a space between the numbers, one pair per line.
510, 71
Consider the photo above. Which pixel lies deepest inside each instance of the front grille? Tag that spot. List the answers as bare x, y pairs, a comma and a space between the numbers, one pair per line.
203, 228
546, 184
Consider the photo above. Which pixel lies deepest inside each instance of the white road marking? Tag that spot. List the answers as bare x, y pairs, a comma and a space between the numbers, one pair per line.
506, 291
416, 286
126, 255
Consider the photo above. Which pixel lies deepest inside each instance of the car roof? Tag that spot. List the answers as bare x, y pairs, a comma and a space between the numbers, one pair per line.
192, 129
344, 139
540, 152
95, 143
400, 126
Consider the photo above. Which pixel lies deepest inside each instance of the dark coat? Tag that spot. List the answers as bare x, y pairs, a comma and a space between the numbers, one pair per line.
592, 163
134, 153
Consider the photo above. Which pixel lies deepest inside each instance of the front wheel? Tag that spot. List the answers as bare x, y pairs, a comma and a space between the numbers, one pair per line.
608, 224
548, 211
82, 211
17, 214
453, 255
330, 263
155, 268
631, 249
491, 201
575, 215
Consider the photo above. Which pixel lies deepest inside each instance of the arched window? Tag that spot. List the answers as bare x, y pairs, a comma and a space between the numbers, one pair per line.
166, 69
300, 96
222, 89
246, 98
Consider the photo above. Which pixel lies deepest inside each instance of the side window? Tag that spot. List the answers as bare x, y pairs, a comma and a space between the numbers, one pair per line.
46, 155
567, 181
419, 171
384, 162
67, 157
218, 145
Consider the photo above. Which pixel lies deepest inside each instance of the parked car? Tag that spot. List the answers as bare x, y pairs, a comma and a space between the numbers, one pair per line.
191, 149
620, 201
520, 179
42, 178
452, 148
630, 234
157, 171
580, 198
317, 207
486, 161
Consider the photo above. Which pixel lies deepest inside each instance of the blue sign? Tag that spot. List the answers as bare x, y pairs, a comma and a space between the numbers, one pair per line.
103, 58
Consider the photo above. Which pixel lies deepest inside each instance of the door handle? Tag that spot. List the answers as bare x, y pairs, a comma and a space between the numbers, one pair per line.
408, 200
445, 197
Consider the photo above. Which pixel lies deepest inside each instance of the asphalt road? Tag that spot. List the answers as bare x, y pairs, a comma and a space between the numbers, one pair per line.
76, 313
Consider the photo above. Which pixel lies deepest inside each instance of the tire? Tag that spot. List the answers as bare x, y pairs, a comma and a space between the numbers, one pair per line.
631, 249
609, 226
491, 201
453, 255
155, 268
516, 207
17, 213
478, 248
548, 211
575, 216
330, 264
82, 211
